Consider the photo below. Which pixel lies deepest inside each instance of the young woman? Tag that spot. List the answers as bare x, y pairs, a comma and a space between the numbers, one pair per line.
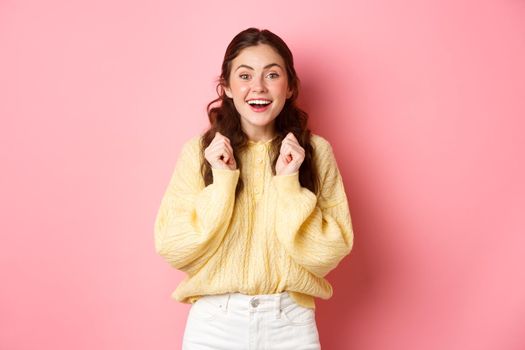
255, 212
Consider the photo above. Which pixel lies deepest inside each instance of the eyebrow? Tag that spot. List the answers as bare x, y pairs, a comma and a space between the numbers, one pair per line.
265, 67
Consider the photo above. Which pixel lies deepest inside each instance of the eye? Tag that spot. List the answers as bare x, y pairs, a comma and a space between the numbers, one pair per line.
273, 75
243, 76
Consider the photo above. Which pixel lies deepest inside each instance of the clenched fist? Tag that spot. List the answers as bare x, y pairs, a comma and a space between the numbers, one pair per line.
219, 153
291, 156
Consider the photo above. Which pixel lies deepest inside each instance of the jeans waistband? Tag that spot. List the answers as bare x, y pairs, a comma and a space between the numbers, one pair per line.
244, 302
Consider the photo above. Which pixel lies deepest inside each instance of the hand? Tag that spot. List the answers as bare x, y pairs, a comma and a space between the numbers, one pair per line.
219, 153
291, 156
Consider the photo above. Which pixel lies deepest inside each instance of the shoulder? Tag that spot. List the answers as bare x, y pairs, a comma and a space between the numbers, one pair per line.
192, 145
332, 188
190, 151
323, 156
194, 141
322, 147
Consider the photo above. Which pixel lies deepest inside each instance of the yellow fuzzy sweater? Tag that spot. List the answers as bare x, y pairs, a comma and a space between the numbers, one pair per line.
275, 236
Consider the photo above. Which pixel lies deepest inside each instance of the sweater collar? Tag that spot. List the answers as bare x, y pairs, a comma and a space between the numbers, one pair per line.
266, 143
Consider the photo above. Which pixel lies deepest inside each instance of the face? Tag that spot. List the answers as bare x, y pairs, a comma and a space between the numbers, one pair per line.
259, 87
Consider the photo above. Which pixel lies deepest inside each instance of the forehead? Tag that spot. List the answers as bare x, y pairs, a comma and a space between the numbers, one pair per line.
258, 56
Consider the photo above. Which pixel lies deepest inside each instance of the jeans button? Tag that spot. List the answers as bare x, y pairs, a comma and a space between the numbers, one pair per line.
254, 302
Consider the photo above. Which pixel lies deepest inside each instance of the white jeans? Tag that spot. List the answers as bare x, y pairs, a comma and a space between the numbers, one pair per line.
238, 321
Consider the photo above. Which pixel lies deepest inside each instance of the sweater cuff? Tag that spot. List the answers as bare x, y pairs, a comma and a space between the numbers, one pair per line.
225, 178
287, 183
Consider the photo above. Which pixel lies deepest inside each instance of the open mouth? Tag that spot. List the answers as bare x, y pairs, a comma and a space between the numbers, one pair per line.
259, 105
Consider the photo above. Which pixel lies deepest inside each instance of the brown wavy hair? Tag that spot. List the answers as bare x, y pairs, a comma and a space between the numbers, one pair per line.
225, 119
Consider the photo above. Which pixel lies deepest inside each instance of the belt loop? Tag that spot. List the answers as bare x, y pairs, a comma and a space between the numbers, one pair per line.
227, 299
278, 305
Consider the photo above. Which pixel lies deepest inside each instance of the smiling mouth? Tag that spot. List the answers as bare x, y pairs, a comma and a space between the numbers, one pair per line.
259, 105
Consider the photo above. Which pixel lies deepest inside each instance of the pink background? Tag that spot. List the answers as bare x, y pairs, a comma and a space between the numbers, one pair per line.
423, 102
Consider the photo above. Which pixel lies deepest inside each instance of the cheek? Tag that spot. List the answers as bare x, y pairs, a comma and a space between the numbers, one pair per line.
281, 88
238, 89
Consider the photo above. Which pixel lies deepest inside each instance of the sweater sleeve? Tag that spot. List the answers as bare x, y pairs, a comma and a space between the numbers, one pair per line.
192, 219
316, 231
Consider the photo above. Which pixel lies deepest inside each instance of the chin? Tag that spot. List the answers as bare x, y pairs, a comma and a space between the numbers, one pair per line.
261, 122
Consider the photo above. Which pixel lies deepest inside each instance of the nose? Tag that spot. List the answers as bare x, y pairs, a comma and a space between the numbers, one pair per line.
258, 84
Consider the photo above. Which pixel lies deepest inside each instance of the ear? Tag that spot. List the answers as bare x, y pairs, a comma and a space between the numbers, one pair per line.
289, 93
228, 91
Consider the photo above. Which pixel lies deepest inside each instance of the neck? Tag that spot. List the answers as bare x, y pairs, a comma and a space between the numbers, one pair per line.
260, 135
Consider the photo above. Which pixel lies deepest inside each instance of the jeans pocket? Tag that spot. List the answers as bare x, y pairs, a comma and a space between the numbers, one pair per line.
296, 314
205, 309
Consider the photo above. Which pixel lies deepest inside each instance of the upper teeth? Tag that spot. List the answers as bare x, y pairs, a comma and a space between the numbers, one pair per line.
259, 102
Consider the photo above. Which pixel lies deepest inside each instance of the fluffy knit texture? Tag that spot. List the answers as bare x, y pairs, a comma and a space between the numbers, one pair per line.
275, 236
